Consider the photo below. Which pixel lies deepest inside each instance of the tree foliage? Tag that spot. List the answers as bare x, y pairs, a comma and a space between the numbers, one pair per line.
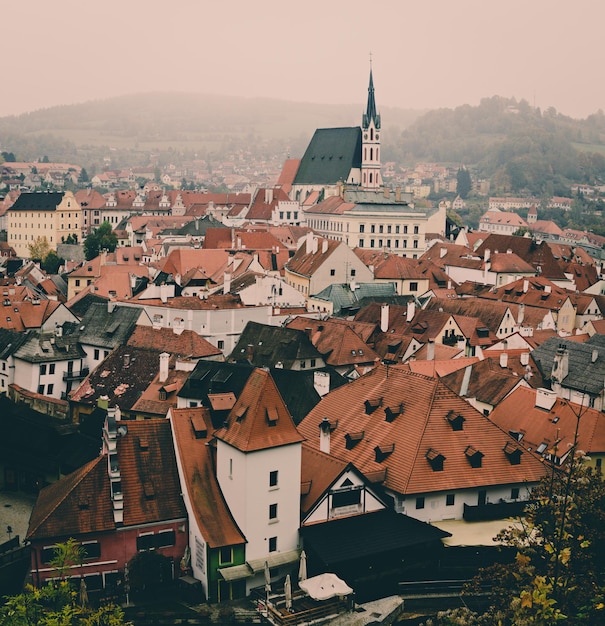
39, 249
102, 238
463, 182
558, 575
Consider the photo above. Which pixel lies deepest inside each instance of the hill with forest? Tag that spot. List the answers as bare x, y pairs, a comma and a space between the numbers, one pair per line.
517, 147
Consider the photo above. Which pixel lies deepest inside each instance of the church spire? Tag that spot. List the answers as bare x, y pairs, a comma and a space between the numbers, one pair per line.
370, 114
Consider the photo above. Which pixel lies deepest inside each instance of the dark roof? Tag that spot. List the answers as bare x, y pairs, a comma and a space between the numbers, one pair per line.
295, 386
584, 373
108, 329
10, 340
265, 346
46, 347
81, 305
368, 535
330, 156
47, 201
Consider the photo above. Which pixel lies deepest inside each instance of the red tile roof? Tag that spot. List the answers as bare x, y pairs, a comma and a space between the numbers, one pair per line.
421, 406
187, 343
260, 418
192, 430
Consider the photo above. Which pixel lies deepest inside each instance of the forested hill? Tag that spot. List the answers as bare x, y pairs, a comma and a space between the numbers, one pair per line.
511, 143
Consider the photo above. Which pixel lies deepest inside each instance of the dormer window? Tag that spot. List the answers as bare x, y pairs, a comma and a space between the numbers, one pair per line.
372, 405
352, 439
391, 413
513, 453
474, 456
436, 459
382, 452
240, 413
272, 416
455, 420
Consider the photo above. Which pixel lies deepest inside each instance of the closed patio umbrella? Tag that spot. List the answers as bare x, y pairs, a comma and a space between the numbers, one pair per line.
288, 592
267, 578
302, 567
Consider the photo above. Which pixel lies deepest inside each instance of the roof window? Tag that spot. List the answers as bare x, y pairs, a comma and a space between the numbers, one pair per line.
382, 452
391, 413
474, 456
352, 439
436, 459
455, 420
513, 453
372, 405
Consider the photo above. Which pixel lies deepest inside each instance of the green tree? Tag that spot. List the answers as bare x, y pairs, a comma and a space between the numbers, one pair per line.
463, 182
83, 177
67, 556
102, 238
57, 605
51, 263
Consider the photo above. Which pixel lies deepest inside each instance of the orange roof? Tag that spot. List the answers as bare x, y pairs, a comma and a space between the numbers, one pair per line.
260, 418
288, 174
187, 343
403, 416
192, 428
518, 413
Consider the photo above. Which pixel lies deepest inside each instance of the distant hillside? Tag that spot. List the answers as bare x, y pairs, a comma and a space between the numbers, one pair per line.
130, 127
517, 147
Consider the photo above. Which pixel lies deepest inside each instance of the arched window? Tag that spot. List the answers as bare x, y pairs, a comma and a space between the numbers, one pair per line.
371, 153
371, 134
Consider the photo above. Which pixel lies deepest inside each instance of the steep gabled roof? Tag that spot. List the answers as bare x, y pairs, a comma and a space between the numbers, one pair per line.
403, 417
330, 156
185, 344
108, 328
260, 418
306, 263
192, 430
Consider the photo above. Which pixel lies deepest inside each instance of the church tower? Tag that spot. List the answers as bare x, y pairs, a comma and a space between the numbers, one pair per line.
370, 145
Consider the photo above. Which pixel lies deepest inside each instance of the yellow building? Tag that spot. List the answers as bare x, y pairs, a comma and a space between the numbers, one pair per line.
35, 216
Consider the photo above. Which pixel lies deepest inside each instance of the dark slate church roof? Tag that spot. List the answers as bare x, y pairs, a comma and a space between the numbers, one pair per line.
47, 201
330, 156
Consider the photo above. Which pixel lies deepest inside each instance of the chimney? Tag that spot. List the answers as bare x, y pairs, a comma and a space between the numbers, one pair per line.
164, 360
547, 288
321, 383
525, 285
411, 311
324, 246
504, 360
250, 352
126, 360
309, 242
227, 282
521, 314
268, 196
486, 255
315, 244
324, 435
387, 193
397, 194
442, 252
560, 366
164, 293
545, 399
384, 318
430, 350
110, 306
595, 356
524, 358
466, 380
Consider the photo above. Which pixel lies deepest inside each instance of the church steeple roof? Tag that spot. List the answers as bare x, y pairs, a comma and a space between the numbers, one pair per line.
370, 114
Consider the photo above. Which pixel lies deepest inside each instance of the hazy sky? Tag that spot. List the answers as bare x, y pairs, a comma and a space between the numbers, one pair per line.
426, 53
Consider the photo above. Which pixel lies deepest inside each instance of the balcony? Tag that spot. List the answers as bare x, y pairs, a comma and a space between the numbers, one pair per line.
493, 511
76, 375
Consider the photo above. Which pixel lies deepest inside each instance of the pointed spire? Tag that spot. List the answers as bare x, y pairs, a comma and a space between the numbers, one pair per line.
370, 113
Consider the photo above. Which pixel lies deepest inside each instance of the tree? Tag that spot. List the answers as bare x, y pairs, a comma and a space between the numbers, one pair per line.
67, 555
57, 605
83, 178
39, 249
558, 573
463, 183
51, 263
102, 238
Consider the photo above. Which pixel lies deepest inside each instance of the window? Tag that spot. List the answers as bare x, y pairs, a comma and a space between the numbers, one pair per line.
371, 243
415, 243
405, 230
346, 498
372, 228
272, 544
49, 389
273, 511
220, 344
313, 362
42, 369
41, 389
420, 502
96, 354
225, 555
273, 476
165, 538
381, 228
332, 272
51, 368
77, 282
361, 243
362, 228
145, 542
415, 230
413, 286
92, 550
303, 365
397, 228
47, 554
599, 465
514, 493
449, 499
